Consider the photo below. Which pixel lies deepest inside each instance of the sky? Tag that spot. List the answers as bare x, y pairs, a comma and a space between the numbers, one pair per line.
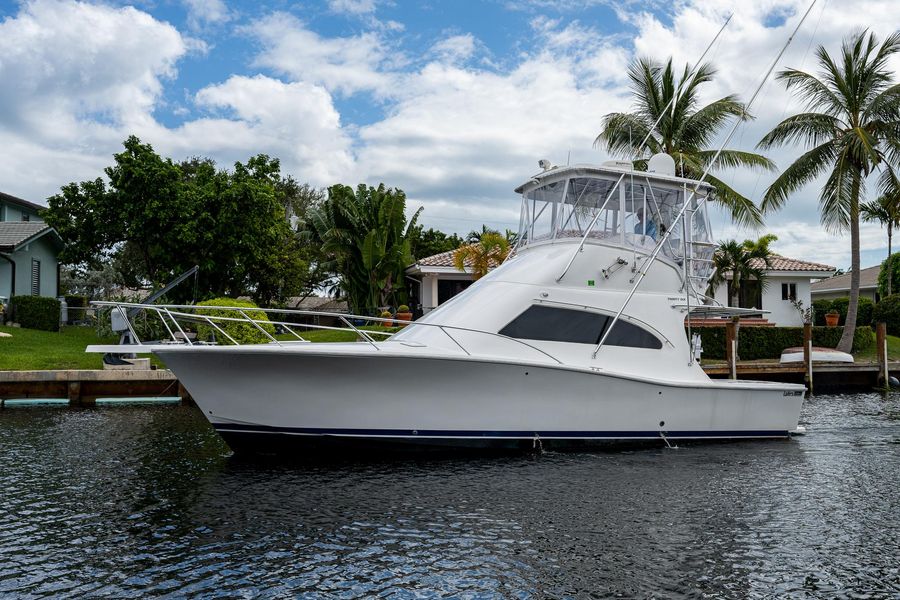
453, 101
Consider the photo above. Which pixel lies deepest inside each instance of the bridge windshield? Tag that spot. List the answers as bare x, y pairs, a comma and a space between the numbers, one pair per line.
633, 213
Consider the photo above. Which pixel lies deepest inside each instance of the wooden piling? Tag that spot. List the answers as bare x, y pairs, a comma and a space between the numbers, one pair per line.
731, 348
184, 394
884, 377
807, 356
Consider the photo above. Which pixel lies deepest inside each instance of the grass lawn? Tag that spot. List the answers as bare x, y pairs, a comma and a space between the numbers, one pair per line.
31, 349
871, 354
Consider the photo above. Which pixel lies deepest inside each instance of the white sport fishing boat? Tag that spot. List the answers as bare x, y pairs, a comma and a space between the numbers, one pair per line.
579, 339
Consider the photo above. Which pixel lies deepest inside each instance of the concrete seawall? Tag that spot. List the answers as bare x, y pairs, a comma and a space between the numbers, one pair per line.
83, 387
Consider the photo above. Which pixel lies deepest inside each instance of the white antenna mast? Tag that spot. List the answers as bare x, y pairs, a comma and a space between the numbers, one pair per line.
650, 259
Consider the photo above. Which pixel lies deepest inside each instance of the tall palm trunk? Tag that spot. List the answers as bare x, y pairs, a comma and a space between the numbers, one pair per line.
890, 272
846, 343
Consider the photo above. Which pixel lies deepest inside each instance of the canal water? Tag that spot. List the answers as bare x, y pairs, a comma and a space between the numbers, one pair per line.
145, 500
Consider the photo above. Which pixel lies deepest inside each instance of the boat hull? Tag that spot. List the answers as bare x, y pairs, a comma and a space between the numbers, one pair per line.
307, 398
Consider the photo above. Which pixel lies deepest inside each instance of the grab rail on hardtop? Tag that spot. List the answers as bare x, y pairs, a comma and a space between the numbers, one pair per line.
175, 311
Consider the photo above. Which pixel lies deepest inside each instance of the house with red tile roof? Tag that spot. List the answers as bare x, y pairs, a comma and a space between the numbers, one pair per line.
787, 280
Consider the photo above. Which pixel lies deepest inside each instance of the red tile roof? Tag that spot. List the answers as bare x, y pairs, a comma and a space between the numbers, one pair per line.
783, 263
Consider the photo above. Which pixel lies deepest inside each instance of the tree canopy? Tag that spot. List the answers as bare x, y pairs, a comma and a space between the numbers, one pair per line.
157, 218
685, 130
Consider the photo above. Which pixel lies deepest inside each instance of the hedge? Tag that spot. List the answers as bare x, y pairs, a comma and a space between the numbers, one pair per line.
243, 333
864, 312
35, 312
888, 311
769, 342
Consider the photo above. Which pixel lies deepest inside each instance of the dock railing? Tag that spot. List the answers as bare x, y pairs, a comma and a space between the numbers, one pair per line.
175, 318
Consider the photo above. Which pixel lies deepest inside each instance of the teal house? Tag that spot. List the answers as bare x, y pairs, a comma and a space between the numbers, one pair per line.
28, 251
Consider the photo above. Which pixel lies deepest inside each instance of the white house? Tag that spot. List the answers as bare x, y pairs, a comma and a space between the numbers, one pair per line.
436, 280
788, 279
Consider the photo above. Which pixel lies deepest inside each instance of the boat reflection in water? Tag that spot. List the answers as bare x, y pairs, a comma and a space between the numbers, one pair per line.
579, 339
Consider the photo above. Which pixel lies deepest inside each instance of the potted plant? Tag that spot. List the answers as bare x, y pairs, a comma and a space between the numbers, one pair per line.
403, 315
832, 317
386, 314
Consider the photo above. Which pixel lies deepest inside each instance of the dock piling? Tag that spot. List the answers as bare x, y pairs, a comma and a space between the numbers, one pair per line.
884, 376
807, 356
731, 347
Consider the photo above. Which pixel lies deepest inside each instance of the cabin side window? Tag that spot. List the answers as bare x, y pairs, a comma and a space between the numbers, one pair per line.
551, 324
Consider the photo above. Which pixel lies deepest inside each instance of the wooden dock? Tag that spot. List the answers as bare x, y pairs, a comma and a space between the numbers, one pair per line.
82, 388
825, 375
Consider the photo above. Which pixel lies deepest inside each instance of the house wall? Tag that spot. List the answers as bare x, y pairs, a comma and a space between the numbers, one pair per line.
781, 312
42, 249
9, 212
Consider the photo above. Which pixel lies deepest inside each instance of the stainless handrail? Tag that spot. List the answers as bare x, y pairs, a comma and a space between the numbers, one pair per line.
344, 317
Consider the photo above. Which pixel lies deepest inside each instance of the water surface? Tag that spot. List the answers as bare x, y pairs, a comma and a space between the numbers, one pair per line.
145, 500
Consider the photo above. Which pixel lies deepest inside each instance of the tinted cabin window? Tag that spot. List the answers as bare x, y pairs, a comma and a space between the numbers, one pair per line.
552, 324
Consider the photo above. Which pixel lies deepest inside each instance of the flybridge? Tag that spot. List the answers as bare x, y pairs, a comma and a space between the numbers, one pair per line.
633, 210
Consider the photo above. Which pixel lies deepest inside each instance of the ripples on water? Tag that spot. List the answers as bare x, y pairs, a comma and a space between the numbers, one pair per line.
138, 500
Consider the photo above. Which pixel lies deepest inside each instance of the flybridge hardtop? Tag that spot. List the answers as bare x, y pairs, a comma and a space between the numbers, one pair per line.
577, 340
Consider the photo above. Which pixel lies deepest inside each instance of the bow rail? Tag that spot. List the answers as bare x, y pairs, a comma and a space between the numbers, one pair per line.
182, 314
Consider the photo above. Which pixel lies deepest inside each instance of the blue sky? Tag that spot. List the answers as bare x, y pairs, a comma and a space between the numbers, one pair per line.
452, 101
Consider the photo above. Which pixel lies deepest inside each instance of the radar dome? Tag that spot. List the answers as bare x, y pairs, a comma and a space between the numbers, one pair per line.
662, 164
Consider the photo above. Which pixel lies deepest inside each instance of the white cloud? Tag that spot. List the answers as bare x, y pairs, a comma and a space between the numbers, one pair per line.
296, 122
343, 64
353, 7
455, 49
206, 12
83, 74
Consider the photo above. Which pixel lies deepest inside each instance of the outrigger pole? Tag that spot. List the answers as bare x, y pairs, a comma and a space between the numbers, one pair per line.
643, 271
675, 97
662, 113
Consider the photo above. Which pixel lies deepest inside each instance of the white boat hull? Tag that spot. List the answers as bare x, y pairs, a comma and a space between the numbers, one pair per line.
309, 396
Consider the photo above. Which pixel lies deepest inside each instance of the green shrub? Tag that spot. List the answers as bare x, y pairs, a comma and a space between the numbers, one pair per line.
863, 311
242, 332
36, 312
403, 308
820, 308
768, 342
888, 311
77, 306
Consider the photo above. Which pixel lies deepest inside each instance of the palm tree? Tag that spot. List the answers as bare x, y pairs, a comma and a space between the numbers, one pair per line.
365, 238
885, 210
685, 131
852, 125
489, 251
745, 261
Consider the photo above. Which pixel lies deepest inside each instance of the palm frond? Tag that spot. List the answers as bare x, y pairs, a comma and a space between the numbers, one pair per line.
743, 210
803, 170
809, 129
732, 159
700, 128
622, 134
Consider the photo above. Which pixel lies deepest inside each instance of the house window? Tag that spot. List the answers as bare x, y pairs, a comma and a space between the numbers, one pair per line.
35, 277
26, 216
552, 324
789, 291
749, 296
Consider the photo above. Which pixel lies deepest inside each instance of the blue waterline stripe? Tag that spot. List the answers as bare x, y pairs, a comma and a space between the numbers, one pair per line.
444, 433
